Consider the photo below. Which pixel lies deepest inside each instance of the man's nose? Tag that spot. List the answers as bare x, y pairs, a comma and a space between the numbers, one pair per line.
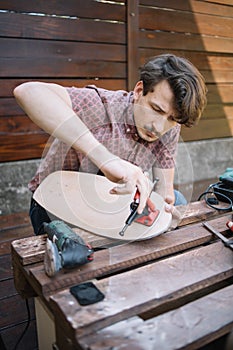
159, 124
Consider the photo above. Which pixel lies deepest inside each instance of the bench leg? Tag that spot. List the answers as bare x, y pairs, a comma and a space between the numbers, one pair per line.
229, 341
45, 326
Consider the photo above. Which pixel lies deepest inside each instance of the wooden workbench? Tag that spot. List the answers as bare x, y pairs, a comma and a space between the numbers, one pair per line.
171, 292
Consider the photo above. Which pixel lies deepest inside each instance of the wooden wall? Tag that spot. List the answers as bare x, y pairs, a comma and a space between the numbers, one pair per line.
77, 42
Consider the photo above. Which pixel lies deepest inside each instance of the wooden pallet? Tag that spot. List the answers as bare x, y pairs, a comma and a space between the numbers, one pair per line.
167, 291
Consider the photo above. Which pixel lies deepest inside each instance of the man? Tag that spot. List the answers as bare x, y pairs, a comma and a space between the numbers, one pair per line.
122, 135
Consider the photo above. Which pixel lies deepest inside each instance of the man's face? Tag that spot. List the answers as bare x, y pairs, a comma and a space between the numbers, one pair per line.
154, 113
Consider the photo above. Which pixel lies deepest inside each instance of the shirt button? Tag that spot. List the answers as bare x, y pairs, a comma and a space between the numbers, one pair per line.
128, 130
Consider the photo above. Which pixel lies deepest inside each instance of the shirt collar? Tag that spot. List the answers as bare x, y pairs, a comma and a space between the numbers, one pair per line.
129, 117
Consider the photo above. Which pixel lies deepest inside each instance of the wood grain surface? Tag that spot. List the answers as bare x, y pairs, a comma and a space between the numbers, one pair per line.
104, 43
171, 289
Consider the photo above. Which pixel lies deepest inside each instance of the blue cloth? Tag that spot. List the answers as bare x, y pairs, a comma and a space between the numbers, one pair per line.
179, 198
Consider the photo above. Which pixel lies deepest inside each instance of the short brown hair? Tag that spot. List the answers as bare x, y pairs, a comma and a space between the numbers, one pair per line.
185, 80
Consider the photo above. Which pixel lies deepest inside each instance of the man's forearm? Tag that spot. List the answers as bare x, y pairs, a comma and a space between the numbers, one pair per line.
53, 113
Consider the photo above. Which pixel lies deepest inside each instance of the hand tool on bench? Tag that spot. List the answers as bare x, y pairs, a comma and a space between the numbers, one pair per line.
227, 242
84, 200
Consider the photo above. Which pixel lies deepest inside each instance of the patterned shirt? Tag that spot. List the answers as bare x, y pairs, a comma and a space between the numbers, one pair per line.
109, 116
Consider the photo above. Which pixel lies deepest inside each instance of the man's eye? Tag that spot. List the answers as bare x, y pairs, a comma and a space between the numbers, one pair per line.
171, 119
156, 109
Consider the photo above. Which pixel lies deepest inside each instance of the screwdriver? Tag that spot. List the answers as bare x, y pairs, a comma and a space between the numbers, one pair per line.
133, 214
134, 207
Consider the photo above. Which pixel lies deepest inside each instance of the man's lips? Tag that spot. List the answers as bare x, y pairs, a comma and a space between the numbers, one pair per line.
151, 134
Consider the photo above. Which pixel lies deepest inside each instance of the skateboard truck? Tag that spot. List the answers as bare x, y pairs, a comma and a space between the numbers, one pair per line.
227, 242
147, 217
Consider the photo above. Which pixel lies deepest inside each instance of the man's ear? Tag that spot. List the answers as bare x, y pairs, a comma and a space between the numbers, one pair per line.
138, 90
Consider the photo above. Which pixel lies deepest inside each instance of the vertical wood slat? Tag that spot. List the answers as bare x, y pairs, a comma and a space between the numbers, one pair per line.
132, 43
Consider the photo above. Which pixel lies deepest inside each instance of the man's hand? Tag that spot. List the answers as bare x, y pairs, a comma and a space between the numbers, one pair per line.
176, 215
131, 176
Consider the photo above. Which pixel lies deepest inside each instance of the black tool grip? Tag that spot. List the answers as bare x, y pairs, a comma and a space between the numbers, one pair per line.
133, 214
74, 254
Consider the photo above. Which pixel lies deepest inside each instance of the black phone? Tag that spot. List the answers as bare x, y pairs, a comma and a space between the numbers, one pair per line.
86, 293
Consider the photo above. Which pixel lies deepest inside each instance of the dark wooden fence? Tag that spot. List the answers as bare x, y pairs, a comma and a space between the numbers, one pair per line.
77, 42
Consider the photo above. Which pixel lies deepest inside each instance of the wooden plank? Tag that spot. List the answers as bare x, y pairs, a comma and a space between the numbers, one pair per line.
7, 85
19, 125
220, 93
218, 76
202, 60
224, 2
17, 25
197, 211
10, 221
185, 22
182, 41
9, 106
186, 275
24, 48
218, 111
132, 43
73, 8
191, 213
63, 341
18, 309
208, 7
5, 245
29, 251
191, 327
120, 257
22, 285
6, 268
7, 288
8, 236
10, 335
43, 67
17, 146
208, 129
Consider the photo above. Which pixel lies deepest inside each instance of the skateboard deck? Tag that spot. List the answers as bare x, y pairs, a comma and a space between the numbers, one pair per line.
83, 200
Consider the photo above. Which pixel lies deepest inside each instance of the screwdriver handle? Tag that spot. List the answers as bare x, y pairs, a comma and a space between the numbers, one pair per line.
133, 208
133, 214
